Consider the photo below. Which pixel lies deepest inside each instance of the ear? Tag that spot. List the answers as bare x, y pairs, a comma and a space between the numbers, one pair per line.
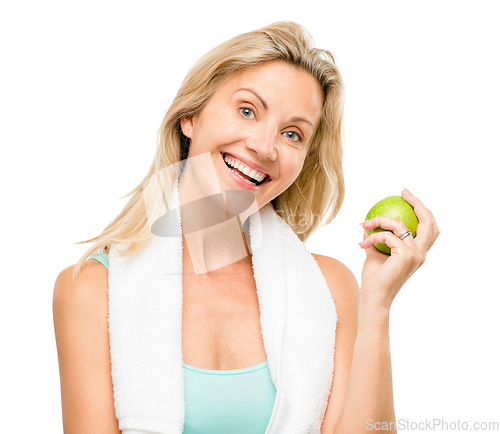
187, 126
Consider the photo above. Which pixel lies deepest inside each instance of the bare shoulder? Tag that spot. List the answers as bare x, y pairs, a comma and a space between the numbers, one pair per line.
344, 288
84, 300
341, 280
80, 312
92, 272
88, 295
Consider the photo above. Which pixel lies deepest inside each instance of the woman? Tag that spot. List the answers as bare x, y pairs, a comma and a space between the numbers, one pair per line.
259, 116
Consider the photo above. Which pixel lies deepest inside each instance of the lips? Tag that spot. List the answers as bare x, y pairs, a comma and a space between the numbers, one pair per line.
235, 174
249, 164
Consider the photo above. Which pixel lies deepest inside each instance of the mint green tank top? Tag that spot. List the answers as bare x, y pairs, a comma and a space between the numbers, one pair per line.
224, 401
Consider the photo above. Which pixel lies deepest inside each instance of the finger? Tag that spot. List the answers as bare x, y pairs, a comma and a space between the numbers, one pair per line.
421, 211
372, 250
427, 230
391, 224
396, 245
387, 237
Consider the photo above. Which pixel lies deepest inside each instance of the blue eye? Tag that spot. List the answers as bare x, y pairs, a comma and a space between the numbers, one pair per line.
247, 112
293, 135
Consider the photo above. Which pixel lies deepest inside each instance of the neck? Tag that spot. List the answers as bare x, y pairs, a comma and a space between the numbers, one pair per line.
212, 236
204, 260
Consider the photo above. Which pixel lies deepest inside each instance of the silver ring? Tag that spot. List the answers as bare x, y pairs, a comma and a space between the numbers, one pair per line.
405, 234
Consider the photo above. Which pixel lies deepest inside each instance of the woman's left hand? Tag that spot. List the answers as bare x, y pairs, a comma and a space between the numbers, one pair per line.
383, 275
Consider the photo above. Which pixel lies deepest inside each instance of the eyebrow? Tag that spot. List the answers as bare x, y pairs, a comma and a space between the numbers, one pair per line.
256, 94
294, 119
299, 119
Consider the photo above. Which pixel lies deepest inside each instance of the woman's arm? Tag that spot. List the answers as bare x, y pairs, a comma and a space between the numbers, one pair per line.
345, 293
368, 402
81, 331
362, 379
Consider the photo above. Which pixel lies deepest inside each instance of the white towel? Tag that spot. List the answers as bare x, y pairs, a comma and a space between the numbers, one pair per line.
297, 316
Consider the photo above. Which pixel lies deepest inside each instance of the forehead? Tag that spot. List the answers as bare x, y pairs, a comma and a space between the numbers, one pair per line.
276, 73
281, 84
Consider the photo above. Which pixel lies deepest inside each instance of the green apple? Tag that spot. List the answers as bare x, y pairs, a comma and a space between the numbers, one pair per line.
395, 207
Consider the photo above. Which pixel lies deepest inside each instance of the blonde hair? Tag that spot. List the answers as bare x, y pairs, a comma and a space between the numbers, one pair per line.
317, 194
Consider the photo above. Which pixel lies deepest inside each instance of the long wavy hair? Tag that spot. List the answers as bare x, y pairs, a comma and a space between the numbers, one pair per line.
314, 198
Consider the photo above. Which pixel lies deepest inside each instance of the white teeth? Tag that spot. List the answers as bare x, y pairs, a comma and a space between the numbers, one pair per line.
243, 179
252, 173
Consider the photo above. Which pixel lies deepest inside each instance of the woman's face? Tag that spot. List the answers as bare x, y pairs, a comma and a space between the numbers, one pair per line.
262, 118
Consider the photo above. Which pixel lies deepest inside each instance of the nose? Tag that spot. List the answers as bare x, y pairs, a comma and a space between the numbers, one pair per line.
263, 142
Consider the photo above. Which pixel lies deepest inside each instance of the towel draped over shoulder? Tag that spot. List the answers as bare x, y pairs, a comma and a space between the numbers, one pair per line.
297, 316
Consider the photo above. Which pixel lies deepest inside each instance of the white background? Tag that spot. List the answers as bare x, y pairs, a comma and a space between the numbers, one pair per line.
85, 85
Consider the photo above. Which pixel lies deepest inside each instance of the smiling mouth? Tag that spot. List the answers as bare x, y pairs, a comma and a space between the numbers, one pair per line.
246, 178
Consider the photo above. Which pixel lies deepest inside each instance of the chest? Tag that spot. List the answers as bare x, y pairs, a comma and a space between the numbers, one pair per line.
221, 320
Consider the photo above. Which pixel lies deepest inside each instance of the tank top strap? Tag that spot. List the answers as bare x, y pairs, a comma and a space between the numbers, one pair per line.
101, 257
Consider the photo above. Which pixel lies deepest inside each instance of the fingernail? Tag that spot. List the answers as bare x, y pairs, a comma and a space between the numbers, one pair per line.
408, 191
362, 223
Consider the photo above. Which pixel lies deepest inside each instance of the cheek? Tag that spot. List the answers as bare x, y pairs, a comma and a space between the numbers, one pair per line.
296, 163
290, 168
224, 127
230, 130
